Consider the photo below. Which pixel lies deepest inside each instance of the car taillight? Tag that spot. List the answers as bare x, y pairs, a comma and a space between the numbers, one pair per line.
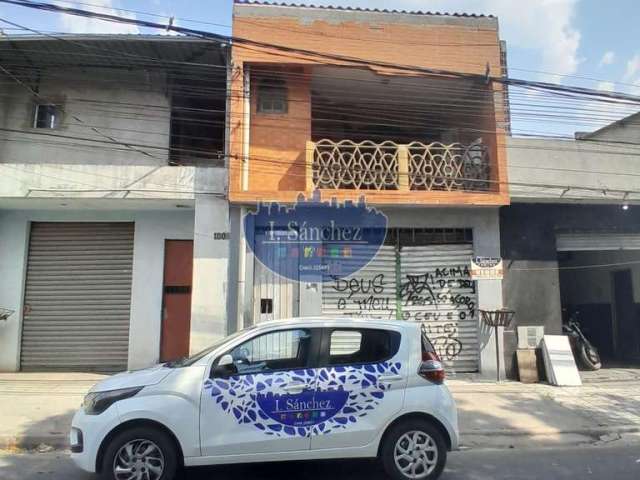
429, 355
431, 367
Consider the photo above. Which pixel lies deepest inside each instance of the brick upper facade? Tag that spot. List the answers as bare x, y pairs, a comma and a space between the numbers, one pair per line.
276, 157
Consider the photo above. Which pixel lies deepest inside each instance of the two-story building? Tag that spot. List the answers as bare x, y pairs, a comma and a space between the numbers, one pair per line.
113, 210
400, 108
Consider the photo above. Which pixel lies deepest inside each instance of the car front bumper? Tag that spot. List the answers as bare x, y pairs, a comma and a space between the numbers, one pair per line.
87, 433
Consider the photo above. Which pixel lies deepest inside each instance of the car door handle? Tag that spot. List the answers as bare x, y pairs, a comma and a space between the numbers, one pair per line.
390, 378
294, 387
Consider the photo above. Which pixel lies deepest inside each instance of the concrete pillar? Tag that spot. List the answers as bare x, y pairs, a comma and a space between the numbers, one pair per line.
210, 271
14, 239
486, 243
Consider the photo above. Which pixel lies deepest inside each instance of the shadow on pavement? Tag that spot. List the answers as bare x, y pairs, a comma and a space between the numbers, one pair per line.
311, 470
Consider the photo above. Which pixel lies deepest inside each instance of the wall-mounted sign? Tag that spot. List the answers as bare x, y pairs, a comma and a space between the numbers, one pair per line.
486, 268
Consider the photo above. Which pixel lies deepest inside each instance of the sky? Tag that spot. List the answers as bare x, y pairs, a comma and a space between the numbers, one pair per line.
591, 43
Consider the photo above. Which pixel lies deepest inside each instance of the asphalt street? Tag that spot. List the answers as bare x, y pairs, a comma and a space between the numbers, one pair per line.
613, 461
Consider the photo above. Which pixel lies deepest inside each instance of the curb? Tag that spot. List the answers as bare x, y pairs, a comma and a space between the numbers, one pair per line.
500, 439
487, 439
590, 432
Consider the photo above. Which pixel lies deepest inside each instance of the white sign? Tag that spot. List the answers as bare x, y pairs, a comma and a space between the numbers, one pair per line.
486, 268
558, 361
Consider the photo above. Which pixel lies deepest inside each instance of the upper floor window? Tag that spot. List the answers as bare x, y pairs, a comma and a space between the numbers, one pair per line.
272, 96
47, 115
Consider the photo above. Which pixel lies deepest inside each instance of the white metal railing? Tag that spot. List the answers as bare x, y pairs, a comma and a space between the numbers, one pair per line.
390, 166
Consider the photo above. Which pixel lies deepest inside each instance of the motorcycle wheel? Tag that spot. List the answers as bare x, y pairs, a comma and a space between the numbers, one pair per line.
589, 357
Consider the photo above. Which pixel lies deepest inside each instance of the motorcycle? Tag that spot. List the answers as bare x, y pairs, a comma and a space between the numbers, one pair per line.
584, 352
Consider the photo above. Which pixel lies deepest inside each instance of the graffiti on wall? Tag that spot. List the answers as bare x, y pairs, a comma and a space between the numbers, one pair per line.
439, 298
367, 296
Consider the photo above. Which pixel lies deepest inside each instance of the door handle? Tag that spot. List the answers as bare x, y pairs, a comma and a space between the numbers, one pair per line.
294, 387
390, 378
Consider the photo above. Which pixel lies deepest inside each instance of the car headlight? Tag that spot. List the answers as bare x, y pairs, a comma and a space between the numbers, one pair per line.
97, 402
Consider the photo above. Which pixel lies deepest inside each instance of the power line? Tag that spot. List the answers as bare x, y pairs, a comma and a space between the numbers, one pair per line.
244, 42
578, 187
324, 35
75, 117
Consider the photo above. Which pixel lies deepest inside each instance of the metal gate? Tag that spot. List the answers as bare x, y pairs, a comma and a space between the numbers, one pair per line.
437, 291
77, 297
274, 296
566, 242
371, 292
429, 284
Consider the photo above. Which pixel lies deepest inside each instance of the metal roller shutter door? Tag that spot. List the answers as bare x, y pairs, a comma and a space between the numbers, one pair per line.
77, 297
370, 292
566, 242
437, 291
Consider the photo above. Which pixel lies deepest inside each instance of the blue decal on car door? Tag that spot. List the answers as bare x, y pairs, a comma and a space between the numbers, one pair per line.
342, 396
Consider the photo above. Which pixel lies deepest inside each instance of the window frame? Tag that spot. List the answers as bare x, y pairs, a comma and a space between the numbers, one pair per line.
312, 360
58, 116
264, 85
325, 345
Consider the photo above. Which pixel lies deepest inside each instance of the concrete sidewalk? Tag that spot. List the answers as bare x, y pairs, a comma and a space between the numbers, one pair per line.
512, 414
36, 411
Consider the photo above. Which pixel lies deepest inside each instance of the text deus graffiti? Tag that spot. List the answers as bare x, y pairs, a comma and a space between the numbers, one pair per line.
365, 296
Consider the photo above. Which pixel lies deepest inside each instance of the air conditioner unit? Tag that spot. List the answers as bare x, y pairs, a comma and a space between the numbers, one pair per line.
530, 337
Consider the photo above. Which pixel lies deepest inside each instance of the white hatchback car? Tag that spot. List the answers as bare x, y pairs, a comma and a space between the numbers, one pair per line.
285, 390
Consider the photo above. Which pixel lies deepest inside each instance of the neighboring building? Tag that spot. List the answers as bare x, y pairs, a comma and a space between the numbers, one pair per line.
428, 150
571, 238
112, 189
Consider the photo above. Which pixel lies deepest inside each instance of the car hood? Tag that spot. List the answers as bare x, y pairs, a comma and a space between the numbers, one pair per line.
133, 378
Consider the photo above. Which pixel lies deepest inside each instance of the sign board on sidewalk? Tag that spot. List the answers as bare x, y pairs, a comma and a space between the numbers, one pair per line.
486, 268
559, 362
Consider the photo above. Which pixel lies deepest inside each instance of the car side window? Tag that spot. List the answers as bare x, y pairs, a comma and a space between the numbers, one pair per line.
362, 345
279, 350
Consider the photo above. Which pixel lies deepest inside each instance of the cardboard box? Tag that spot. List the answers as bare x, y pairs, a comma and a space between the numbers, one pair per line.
527, 365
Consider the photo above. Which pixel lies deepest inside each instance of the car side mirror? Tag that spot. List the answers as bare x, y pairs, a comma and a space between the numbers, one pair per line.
224, 368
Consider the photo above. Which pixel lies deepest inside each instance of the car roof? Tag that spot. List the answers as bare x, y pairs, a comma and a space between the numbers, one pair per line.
358, 322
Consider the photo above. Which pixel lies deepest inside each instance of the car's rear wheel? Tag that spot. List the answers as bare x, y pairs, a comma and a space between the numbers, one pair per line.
414, 450
140, 453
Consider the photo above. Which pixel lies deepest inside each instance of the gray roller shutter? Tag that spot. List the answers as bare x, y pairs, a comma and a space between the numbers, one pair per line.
371, 292
437, 291
78, 297
566, 242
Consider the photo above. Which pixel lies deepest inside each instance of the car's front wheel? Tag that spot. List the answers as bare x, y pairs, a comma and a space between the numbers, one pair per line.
414, 450
140, 453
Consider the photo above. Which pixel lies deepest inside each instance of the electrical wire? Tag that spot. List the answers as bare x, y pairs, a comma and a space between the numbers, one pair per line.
388, 125
244, 43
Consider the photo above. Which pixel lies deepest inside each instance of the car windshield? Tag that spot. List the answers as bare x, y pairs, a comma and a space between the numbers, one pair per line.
187, 361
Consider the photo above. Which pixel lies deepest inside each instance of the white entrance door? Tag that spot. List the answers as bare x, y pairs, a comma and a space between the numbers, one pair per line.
275, 296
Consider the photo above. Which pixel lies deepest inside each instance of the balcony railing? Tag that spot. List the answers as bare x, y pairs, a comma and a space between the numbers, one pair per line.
391, 166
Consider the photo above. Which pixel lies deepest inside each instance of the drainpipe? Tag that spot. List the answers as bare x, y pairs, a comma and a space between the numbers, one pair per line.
246, 90
242, 262
242, 242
